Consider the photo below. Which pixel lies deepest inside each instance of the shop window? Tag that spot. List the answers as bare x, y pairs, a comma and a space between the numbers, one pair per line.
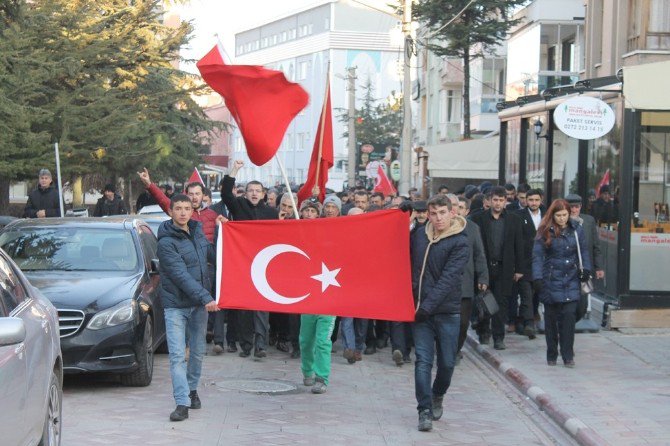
536, 149
565, 165
512, 151
650, 231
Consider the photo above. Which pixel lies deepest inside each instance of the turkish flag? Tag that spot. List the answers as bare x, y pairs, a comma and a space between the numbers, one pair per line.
195, 177
604, 181
356, 266
262, 102
324, 139
383, 184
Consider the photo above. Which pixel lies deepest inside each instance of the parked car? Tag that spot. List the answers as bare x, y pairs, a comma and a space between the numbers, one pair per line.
102, 276
5, 220
152, 209
31, 365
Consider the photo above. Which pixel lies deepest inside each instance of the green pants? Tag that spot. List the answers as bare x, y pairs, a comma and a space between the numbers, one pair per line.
315, 345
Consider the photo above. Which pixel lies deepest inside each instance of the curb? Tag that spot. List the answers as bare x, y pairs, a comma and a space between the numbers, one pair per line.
583, 434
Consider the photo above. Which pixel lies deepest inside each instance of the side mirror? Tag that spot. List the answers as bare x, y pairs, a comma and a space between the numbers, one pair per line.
155, 263
12, 331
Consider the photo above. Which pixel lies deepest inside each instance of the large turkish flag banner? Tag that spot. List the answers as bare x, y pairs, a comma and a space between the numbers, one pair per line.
355, 266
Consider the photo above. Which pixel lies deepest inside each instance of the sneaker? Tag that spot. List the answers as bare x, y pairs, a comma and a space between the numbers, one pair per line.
437, 407
218, 348
425, 421
232, 347
499, 345
348, 354
245, 353
370, 350
195, 400
319, 386
283, 346
529, 331
397, 357
569, 364
179, 414
357, 355
260, 353
308, 381
551, 363
295, 354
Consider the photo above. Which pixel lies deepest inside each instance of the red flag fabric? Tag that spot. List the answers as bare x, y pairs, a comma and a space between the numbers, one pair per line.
290, 266
324, 138
383, 184
262, 102
604, 181
195, 177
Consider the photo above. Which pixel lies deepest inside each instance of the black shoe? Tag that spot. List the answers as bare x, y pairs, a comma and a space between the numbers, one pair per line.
425, 420
232, 348
245, 353
529, 331
179, 414
209, 337
382, 343
282, 346
407, 359
195, 400
437, 407
499, 345
370, 350
272, 341
484, 340
295, 354
260, 353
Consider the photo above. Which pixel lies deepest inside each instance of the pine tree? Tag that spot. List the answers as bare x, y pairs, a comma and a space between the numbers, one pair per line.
481, 27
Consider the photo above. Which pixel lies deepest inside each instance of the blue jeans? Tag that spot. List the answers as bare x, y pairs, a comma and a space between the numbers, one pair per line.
353, 332
180, 323
439, 332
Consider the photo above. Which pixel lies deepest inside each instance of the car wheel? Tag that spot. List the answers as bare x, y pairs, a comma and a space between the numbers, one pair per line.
52, 423
145, 358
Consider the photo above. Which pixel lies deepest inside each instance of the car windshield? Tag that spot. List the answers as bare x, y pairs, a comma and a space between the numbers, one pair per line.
70, 249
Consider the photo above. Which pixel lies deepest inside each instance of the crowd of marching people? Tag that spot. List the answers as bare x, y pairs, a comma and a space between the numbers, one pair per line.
484, 239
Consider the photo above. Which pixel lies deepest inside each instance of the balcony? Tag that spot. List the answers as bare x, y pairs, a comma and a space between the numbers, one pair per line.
649, 41
549, 79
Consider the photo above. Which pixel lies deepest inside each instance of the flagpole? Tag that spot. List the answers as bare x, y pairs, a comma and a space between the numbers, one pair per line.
322, 126
60, 181
288, 186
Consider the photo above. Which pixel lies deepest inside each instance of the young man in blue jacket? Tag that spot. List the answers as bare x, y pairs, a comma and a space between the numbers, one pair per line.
439, 254
183, 252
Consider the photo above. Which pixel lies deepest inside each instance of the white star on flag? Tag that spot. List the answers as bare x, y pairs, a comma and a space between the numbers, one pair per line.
327, 277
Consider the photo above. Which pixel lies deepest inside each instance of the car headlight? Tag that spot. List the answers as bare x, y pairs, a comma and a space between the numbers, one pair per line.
116, 315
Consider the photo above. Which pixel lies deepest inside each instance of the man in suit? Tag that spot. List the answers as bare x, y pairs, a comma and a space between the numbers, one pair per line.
503, 244
590, 231
530, 221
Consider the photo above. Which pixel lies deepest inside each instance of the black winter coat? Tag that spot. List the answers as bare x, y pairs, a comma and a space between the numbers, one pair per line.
105, 207
558, 265
42, 199
437, 268
185, 280
528, 233
240, 208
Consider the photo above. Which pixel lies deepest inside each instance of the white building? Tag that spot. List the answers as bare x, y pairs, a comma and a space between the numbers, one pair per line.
342, 32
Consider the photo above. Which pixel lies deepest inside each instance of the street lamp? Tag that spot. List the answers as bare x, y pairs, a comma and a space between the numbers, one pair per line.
537, 129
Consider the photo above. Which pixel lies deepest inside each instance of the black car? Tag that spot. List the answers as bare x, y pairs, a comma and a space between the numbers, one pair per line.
102, 276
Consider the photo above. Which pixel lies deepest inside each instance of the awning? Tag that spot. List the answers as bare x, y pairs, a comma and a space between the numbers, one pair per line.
472, 159
643, 86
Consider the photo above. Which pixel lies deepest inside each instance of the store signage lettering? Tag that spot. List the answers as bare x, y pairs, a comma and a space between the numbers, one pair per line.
584, 117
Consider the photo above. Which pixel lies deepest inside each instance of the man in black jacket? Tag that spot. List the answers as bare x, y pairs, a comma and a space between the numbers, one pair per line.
44, 201
530, 221
439, 254
503, 244
109, 203
253, 326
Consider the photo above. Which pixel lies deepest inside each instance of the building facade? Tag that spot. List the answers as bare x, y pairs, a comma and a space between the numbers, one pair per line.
312, 46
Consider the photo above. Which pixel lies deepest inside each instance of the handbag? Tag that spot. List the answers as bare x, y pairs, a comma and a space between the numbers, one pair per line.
586, 287
485, 304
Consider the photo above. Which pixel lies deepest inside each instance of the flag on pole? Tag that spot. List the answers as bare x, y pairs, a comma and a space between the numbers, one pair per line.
604, 181
322, 153
289, 266
195, 177
262, 102
382, 183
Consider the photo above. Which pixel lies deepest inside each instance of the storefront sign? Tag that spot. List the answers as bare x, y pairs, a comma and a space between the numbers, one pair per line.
395, 170
584, 117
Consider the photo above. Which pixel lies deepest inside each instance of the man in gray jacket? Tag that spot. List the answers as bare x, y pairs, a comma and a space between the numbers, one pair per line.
590, 231
475, 271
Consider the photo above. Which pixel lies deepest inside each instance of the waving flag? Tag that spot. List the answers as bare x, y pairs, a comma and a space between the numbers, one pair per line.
195, 177
288, 266
383, 184
604, 181
262, 102
322, 153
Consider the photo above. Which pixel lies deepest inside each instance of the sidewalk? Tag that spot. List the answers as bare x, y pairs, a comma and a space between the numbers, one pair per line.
618, 394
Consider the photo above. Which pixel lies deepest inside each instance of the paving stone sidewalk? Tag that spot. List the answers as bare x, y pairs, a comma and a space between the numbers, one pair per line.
620, 387
370, 403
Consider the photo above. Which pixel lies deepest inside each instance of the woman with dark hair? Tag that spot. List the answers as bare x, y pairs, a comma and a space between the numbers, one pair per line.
557, 277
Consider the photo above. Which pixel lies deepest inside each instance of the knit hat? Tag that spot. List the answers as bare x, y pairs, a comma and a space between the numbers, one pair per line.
311, 203
45, 172
333, 199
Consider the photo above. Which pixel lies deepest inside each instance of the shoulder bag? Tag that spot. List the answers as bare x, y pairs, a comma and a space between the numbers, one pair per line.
586, 286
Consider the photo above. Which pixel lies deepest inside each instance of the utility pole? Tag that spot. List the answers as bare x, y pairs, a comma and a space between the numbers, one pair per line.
406, 145
351, 158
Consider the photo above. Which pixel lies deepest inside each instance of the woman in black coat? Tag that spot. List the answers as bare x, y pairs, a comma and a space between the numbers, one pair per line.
556, 277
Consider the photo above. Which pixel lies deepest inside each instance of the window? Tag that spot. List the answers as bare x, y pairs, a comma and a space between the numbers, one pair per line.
283, 36
454, 106
302, 70
264, 42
